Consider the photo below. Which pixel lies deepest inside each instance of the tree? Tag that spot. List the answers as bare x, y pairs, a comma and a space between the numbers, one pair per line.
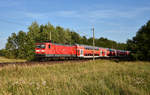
3, 52
12, 46
76, 39
22, 44
140, 44
84, 40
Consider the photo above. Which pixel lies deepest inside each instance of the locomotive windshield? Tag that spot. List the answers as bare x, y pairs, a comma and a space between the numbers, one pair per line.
40, 46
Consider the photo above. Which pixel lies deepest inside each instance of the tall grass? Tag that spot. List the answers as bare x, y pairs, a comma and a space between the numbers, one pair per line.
99, 78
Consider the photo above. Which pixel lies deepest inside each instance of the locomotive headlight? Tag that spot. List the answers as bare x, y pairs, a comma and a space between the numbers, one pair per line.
37, 50
42, 50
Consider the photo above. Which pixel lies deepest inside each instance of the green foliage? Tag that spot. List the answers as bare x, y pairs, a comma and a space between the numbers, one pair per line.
140, 44
2, 52
22, 44
104, 42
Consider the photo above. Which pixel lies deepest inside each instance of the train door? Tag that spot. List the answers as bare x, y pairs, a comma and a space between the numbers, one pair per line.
101, 53
81, 52
106, 53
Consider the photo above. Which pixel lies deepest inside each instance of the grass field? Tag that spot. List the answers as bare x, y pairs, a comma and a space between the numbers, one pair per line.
3, 59
100, 78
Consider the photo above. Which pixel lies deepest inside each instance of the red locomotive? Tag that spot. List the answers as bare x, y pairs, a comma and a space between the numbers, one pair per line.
54, 50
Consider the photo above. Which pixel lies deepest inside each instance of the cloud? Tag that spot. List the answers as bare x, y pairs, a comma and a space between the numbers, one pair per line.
34, 15
8, 3
90, 15
68, 14
113, 14
109, 13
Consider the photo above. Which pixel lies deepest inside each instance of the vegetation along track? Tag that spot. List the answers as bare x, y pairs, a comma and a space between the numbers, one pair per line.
29, 63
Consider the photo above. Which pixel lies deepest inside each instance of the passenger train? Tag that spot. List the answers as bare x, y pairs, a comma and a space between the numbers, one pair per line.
49, 49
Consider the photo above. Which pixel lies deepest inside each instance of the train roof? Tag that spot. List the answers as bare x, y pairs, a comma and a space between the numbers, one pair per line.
91, 47
50, 41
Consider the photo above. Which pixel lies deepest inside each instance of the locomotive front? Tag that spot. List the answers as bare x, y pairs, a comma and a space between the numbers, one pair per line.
40, 50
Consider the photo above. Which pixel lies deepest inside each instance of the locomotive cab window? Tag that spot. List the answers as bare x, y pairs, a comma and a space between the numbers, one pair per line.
49, 46
40, 46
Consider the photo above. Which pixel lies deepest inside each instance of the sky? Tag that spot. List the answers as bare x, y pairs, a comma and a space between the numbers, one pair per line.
116, 20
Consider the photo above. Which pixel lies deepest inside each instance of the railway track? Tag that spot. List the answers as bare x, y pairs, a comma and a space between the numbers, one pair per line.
30, 63
38, 63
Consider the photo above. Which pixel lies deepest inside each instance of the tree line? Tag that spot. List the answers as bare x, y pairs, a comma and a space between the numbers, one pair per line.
140, 44
22, 44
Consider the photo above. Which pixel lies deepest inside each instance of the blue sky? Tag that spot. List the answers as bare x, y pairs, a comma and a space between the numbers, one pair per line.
117, 20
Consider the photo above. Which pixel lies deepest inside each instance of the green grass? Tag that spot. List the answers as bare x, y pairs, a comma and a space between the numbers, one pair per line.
100, 78
3, 59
